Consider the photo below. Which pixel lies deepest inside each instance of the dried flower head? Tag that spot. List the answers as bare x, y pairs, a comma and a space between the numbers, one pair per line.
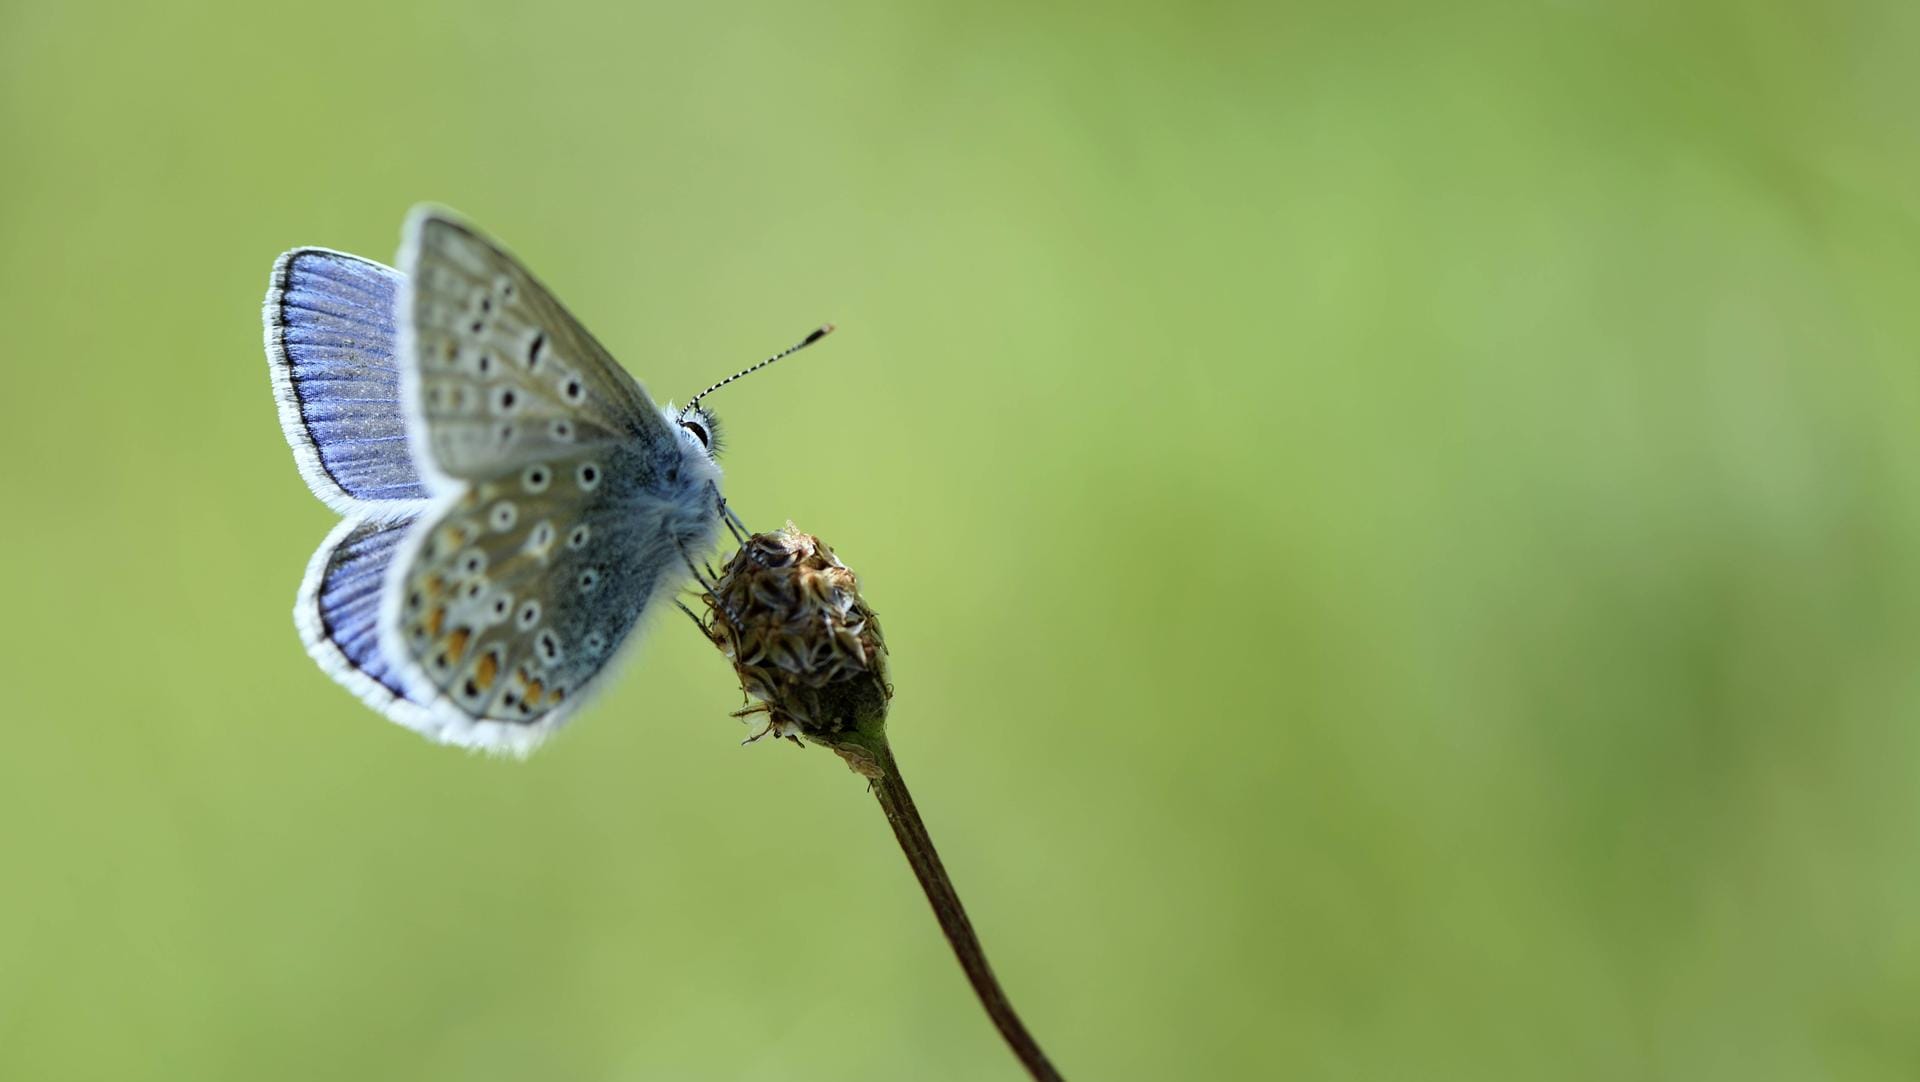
790, 617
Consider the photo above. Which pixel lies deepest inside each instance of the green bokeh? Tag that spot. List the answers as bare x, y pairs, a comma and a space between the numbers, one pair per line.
1399, 527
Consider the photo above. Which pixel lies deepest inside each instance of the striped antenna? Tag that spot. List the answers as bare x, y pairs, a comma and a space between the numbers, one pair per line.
814, 336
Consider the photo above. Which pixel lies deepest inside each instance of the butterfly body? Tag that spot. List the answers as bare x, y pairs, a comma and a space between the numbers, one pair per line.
514, 503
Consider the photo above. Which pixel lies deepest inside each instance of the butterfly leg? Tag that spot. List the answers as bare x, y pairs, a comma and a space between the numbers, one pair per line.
741, 535
697, 622
734, 526
746, 542
706, 583
699, 576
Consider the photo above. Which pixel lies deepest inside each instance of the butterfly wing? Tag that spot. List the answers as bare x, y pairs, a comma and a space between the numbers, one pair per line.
509, 605
331, 351
338, 610
565, 497
501, 375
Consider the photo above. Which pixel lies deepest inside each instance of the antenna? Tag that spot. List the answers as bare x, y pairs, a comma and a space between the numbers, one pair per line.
813, 336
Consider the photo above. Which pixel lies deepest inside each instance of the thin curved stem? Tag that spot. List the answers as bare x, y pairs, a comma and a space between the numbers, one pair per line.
891, 790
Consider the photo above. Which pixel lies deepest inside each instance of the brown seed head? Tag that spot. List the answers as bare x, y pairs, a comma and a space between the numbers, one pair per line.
790, 617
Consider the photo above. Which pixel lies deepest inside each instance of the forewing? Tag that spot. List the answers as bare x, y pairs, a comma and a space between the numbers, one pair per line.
512, 603
502, 375
330, 347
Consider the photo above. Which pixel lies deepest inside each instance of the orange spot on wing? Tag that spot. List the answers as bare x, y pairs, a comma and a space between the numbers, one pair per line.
435, 620
457, 642
534, 691
484, 672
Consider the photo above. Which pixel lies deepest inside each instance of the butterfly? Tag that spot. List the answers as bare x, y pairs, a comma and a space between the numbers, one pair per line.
512, 502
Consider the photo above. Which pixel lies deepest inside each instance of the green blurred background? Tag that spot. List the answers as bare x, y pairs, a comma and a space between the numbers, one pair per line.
1399, 527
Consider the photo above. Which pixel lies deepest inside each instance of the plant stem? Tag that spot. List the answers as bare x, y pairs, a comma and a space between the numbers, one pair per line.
891, 790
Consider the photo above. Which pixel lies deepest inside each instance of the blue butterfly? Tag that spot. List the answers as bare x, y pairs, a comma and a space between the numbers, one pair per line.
513, 502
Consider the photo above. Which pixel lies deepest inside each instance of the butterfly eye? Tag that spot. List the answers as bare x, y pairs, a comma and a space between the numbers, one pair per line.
702, 427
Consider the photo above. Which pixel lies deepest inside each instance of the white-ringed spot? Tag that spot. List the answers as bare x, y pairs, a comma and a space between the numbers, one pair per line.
503, 516
529, 615
505, 400
536, 478
562, 430
578, 538
573, 390
588, 475
589, 579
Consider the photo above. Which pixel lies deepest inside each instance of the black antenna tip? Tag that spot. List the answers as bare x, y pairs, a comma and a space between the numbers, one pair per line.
821, 332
